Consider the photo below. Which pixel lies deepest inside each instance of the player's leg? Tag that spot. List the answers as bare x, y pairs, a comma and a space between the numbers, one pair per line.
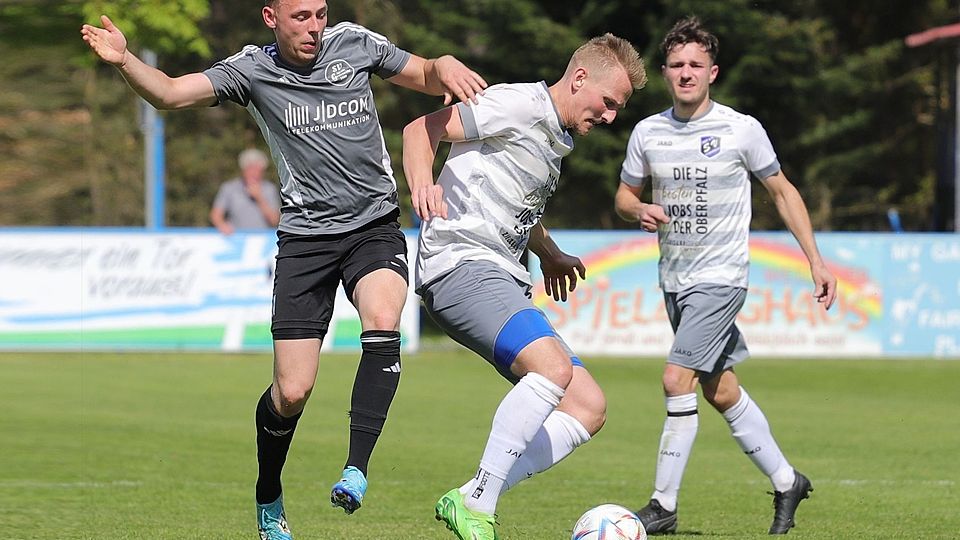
750, 429
483, 307
580, 415
702, 318
375, 278
303, 304
278, 411
544, 372
676, 442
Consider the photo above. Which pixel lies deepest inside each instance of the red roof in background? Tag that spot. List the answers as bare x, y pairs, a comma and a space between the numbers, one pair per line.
933, 34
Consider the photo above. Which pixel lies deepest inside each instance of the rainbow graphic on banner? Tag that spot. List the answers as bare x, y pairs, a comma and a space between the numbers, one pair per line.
853, 283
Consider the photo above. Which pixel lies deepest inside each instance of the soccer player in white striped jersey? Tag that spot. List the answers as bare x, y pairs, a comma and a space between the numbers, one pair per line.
700, 156
479, 216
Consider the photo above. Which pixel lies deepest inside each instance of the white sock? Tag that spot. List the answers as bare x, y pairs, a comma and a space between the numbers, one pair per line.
679, 432
749, 427
560, 435
518, 418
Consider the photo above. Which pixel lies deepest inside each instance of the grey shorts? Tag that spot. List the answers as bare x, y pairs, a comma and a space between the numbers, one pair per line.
706, 337
484, 308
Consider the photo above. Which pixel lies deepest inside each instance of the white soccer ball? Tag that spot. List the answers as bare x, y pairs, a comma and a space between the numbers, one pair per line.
608, 522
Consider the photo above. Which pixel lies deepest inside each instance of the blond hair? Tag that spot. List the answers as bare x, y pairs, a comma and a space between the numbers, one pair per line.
608, 51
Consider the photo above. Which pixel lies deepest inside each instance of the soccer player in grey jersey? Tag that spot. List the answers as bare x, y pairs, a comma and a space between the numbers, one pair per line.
310, 94
482, 212
700, 156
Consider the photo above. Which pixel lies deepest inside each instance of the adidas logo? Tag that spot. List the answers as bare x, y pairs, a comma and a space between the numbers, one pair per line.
278, 433
395, 368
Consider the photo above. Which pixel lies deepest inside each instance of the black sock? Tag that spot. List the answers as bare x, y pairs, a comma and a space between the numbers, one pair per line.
373, 389
274, 434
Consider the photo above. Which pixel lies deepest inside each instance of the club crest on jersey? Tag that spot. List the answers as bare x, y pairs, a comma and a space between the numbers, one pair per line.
338, 72
710, 145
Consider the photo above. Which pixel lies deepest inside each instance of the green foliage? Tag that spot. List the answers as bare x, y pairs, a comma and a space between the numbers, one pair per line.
859, 121
162, 25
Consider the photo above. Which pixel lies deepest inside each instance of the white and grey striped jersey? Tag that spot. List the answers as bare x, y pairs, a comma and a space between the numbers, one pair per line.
497, 182
701, 172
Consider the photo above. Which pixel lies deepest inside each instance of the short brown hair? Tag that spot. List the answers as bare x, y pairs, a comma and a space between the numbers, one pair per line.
607, 51
690, 30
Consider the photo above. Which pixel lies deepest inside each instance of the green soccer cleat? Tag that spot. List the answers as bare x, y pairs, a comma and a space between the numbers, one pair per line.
465, 523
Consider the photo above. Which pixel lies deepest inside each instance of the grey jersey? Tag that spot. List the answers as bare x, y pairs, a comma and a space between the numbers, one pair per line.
321, 125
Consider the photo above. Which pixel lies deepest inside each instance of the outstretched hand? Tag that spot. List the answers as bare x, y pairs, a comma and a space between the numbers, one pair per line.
824, 285
458, 80
560, 275
108, 42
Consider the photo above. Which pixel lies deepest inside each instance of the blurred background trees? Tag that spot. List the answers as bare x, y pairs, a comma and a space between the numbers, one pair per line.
861, 123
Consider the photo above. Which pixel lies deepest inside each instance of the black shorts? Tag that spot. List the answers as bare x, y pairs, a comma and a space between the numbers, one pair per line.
309, 268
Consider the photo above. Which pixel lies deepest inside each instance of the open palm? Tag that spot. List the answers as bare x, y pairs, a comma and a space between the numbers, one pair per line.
108, 42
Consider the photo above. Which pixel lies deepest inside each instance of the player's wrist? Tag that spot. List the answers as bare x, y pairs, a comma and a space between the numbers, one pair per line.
124, 60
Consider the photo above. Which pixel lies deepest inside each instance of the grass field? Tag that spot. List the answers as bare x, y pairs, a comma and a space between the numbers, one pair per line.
111, 446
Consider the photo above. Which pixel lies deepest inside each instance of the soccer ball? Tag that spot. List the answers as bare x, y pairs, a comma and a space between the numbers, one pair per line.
608, 522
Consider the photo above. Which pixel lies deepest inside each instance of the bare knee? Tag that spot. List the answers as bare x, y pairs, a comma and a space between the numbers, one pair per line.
594, 415
559, 373
383, 319
678, 381
291, 397
722, 391
586, 402
722, 397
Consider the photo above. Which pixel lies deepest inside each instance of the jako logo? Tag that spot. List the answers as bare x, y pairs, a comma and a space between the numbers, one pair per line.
751, 452
338, 72
670, 453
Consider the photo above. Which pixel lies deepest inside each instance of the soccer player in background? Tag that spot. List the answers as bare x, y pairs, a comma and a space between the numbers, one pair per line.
478, 217
701, 155
310, 94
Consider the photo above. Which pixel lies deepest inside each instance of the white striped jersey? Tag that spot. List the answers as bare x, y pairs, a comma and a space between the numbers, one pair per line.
701, 172
497, 182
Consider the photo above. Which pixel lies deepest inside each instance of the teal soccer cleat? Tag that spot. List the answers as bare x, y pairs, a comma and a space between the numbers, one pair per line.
348, 492
272, 521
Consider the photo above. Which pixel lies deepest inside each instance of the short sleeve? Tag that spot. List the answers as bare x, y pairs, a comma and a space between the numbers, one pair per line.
635, 168
386, 58
498, 111
231, 77
758, 153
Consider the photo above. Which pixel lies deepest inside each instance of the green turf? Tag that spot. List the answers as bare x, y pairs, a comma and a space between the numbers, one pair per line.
160, 446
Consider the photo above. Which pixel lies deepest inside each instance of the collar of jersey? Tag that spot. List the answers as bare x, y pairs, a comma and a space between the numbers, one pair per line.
673, 114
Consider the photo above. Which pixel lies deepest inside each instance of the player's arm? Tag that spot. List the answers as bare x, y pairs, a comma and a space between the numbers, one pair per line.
560, 270
794, 214
444, 76
420, 141
630, 208
153, 85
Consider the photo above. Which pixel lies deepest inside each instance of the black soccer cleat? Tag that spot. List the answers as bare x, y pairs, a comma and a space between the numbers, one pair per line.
656, 520
785, 504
